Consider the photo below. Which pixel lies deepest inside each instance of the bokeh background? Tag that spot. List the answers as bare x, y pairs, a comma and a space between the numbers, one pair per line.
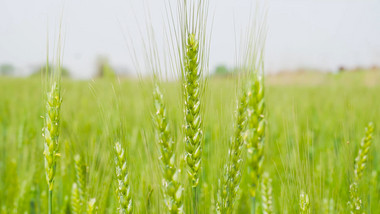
322, 35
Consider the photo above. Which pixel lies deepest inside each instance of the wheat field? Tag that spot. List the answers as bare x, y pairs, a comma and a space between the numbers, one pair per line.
313, 136
248, 142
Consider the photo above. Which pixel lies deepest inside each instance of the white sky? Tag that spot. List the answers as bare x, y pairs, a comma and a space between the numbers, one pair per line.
321, 34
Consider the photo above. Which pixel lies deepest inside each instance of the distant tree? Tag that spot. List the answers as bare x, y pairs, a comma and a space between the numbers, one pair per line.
104, 69
42, 71
221, 70
6, 69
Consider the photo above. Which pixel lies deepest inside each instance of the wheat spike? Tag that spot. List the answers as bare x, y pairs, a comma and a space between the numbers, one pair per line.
91, 208
266, 194
123, 189
228, 190
171, 186
50, 132
80, 172
75, 200
361, 159
193, 120
256, 132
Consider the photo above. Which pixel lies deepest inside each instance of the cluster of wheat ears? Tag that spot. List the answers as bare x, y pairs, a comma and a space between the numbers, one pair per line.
245, 153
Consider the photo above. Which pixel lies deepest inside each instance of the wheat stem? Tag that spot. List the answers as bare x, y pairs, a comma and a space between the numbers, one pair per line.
253, 205
50, 202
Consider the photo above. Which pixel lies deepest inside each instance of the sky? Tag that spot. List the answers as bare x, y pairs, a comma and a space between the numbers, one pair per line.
302, 34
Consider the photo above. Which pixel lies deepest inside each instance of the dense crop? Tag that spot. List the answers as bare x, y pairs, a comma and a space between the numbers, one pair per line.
313, 138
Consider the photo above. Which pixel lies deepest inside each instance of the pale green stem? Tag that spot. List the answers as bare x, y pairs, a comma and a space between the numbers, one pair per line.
253, 205
50, 201
195, 199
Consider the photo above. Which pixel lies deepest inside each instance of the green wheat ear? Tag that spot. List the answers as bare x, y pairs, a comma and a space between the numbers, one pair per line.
355, 203
362, 158
171, 186
75, 200
193, 120
123, 188
228, 191
304, 203
80, 171
50, 132
256, 130
267, 194
91, 208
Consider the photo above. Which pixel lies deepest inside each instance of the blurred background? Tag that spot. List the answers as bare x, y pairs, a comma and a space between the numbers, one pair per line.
317, 35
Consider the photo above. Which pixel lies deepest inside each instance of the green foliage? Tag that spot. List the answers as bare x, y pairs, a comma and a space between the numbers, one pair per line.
6, 69
105, 70
50, 69
221, 70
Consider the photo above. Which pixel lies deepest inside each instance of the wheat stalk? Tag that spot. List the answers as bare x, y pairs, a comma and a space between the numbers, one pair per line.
228, 190
192, 61
172, 187
193, 120
123, 189
50, 132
